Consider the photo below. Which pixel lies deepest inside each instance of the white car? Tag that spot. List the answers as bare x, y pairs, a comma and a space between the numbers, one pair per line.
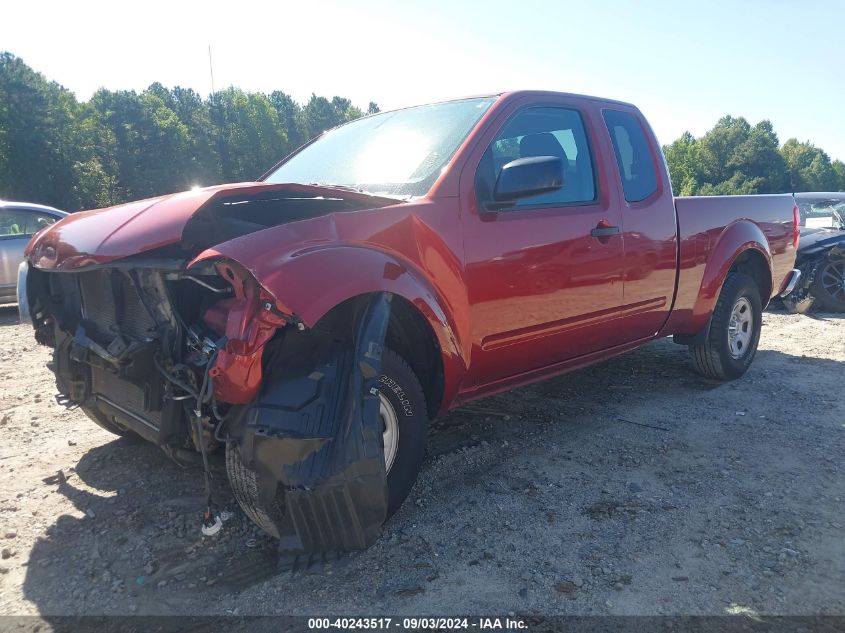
19, 221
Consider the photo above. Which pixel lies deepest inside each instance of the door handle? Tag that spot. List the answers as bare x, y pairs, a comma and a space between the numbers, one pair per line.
603, 230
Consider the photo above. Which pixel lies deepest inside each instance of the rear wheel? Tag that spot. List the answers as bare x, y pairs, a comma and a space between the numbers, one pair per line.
828, 287
404, 420
734, 331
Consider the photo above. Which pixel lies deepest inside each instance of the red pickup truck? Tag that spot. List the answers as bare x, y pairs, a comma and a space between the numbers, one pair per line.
391, 269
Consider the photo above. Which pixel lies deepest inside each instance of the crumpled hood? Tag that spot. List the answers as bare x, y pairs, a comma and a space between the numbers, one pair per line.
104, 235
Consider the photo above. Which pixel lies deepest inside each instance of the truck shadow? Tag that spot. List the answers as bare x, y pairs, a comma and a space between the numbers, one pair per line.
133, 544
825, 316
136, 533
817, 315
9, 314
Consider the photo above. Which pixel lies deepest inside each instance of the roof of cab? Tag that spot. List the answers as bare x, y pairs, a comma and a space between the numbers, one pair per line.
512, 94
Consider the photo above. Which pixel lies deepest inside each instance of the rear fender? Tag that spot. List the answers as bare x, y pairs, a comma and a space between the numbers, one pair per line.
736, 239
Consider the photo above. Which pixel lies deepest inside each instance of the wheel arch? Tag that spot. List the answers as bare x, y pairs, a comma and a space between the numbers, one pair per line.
409, 334
741, 247
754, 264
322, 282
741, 244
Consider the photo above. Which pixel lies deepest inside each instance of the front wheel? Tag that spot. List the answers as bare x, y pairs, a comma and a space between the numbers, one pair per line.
404, 420
734, 331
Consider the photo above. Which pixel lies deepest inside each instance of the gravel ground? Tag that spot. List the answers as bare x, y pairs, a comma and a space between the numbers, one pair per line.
632, 487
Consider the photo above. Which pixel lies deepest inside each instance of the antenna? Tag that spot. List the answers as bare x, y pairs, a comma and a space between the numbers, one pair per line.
211, 71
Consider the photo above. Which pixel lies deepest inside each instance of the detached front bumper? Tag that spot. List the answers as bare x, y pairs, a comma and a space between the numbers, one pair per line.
23, 299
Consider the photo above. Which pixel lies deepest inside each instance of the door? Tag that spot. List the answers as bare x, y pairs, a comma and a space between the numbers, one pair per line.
648, 221
544, 276
17, 226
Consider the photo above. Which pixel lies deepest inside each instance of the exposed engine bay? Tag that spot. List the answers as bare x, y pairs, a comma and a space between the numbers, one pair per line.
229, 217
137, 344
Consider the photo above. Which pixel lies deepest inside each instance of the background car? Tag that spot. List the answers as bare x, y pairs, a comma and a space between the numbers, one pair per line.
19, 221
821, 253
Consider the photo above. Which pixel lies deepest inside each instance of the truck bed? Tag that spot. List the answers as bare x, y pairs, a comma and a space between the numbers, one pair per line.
705, 241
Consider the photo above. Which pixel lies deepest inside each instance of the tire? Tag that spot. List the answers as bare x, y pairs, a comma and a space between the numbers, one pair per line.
399, 391
728, 351
244, 484
402, 388
104, 423
827, 287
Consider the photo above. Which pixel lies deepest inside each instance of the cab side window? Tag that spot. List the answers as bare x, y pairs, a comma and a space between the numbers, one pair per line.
542, 131
633, 156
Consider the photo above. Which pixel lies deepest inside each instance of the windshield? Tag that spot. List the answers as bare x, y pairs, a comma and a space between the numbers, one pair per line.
398, 153
824, 213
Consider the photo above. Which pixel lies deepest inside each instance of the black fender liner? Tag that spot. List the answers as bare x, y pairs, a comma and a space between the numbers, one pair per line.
314, 438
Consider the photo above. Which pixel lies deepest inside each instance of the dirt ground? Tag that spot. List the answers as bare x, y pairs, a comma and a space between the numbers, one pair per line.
632, 487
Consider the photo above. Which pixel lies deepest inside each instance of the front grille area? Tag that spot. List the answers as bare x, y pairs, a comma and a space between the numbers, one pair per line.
112, 305
106, 340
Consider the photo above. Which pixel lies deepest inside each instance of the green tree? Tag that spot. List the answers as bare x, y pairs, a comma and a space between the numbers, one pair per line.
151, 145
96, 180
37, 136
249, 138
203, 167
839, 168
122, 145
291, 119
682, 157
320, 114
809, 168
757, 158
737, 158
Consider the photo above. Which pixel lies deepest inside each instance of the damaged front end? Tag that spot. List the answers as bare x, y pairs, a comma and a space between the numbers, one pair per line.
194, 359
145, 344
196, 356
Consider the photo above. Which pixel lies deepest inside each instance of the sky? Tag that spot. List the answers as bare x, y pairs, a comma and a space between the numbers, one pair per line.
684, 63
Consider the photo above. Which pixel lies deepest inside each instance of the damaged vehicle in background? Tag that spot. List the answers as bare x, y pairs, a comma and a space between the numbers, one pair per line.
19, 221
398, 266
821, 256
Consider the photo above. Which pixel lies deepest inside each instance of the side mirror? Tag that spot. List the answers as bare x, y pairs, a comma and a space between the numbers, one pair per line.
526, 177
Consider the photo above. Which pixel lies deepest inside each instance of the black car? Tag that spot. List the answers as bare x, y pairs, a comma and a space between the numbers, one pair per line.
821, 254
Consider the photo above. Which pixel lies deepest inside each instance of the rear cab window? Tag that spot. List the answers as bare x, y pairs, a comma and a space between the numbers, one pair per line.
633, 155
